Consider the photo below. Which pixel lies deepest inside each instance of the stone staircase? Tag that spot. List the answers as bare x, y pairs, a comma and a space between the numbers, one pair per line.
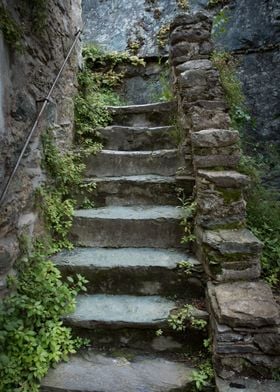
128, 248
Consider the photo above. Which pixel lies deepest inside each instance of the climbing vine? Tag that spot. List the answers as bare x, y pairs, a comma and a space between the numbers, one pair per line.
32, 336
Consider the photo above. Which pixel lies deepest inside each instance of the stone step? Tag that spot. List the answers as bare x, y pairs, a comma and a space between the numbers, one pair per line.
143, 271
121, 227
130, 321
152, 114
131, 163
236, 384
135, 138
93, 371
138, 190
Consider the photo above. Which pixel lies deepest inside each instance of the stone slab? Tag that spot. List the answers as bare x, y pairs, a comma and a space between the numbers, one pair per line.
124, 138
120, 310
121, 227
137, 190
247, 385
214, 138
244, 304
232, 241
142, 271
225, 178
96, 372
127, 163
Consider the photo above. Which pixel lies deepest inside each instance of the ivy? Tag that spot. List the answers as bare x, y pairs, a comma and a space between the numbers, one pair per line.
57, 199
32, 336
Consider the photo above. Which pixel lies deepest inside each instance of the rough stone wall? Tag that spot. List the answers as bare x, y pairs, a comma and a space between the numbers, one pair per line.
256, 46
244, 316
25, 80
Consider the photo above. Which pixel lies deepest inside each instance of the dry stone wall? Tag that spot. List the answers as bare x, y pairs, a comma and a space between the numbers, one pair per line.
26, 78
244, 316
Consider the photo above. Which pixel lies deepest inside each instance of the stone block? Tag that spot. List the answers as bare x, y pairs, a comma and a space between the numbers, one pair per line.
229, 255
216, 212
224, 178
214, 138
225, 157
200, 117
244, 304
9, 251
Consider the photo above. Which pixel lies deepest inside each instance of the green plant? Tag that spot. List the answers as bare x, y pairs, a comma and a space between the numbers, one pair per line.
57, 198
178, 320
186, 267
96, 91
234, 95
220, 22
162, 35
188, 208
32, 337
11, 30
204, 376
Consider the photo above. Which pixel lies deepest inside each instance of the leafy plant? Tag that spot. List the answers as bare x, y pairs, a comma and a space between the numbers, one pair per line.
234, 95
96, 91
32, 336
57, 198
162, 35
179, 320
220, 21
188, 208
204, 376
186, 267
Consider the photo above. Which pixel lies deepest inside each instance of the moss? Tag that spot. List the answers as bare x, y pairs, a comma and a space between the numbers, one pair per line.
11, 30
230, 195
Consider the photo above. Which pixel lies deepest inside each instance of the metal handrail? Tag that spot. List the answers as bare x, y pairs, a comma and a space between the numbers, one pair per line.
46, 101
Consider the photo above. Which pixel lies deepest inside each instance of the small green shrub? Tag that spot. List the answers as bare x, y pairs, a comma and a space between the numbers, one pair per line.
220, 22
179, 320
204, 376
188, 209
32, 336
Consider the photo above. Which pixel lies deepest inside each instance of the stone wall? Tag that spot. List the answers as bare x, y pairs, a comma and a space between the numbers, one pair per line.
244, 316
26, 78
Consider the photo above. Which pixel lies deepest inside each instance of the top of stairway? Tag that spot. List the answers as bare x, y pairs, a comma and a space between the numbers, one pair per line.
144, 108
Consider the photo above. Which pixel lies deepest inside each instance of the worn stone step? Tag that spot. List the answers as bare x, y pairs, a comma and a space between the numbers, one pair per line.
130, 321
121, 227
142, 271
152, 114
138, 190
124, 138
93, 371
131, 163
236, 384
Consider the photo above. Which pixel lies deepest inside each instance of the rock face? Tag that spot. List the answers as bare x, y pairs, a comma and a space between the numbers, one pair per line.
256, 48
25, 79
